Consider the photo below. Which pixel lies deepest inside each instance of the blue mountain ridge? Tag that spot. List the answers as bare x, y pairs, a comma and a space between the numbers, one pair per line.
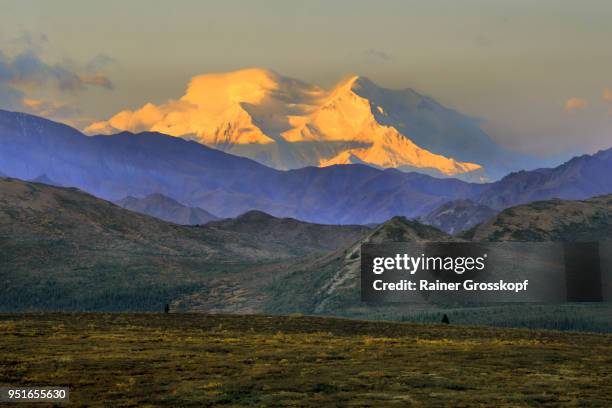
116, 166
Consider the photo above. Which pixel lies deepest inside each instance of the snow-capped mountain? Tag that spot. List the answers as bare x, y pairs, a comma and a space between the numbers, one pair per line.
138, 165
286, 124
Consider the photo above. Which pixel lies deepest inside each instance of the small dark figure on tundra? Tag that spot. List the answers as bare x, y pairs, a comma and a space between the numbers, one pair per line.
167, 308
445, 319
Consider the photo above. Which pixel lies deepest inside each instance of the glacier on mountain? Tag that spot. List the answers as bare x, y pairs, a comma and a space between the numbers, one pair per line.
287, 124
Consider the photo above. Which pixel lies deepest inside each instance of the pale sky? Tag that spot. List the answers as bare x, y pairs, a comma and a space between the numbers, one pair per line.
536, 72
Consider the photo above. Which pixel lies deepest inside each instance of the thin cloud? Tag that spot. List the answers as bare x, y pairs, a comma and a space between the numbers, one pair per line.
49, 108
96, 80
573, 104
28, 70
98, 63
10, 98
24, 75
607, 95
377, 55
29, 41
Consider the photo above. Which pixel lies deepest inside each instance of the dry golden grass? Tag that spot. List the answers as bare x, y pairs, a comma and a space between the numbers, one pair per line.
200, 360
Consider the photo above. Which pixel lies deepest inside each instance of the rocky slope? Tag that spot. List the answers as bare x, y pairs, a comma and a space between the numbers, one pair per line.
331, 283
552, 220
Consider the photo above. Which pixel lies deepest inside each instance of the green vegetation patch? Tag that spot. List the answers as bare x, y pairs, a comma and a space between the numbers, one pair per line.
213, 360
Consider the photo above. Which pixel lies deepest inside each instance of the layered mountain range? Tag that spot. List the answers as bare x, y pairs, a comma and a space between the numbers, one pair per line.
330, 284
287, 124
137, 165
63, 249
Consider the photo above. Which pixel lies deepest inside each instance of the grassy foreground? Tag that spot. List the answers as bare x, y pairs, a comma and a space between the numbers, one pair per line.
206, 360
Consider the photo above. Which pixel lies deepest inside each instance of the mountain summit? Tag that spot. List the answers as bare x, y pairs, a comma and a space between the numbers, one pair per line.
286, 124
113, 167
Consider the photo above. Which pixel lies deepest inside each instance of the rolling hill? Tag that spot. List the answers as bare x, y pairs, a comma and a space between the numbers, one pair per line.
330, 284
552, 220
64, 249
167, 209
311, 237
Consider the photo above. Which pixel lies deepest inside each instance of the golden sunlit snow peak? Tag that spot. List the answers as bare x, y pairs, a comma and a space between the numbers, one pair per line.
244, 111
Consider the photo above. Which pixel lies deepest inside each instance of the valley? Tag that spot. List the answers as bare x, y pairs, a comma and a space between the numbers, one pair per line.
305, 204
84, 253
